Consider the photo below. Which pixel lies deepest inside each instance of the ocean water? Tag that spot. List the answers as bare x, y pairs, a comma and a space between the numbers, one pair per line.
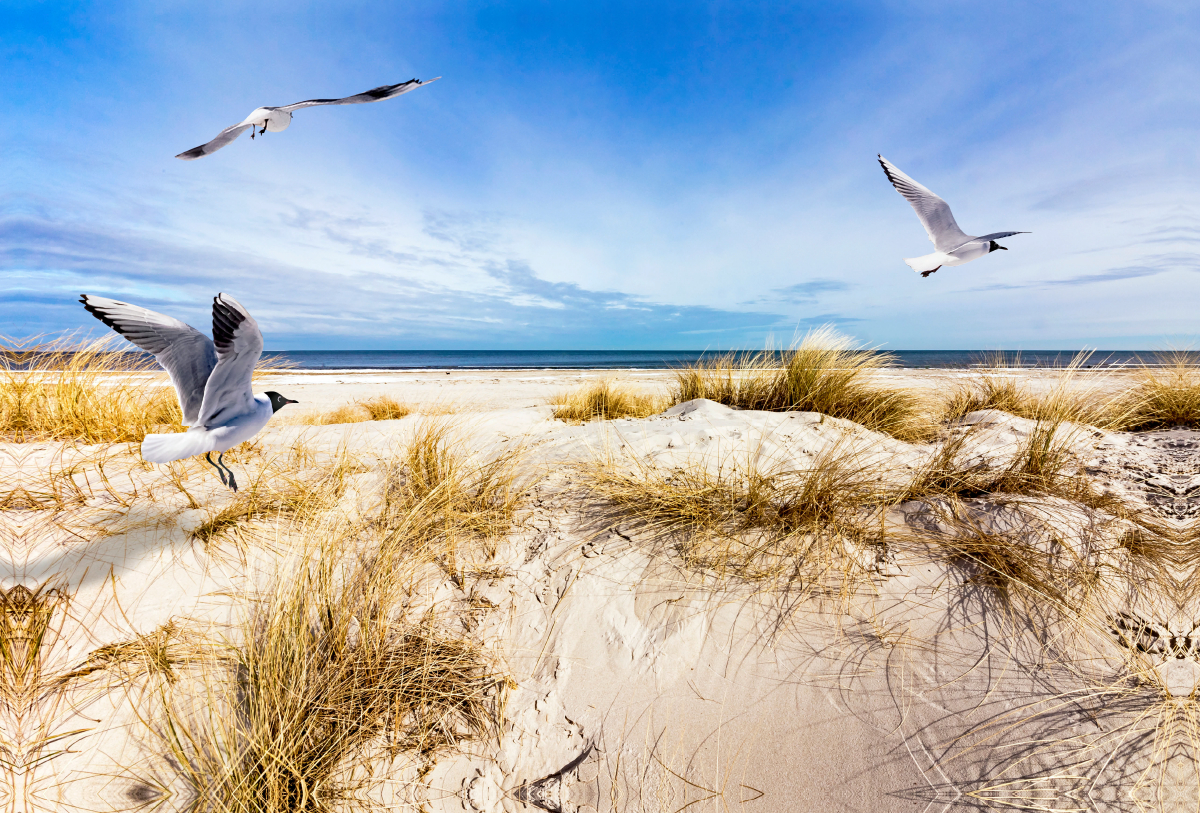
662, 359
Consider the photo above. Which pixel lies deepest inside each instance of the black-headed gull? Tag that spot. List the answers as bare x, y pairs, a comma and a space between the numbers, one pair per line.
212, 378
953, 246
277, 119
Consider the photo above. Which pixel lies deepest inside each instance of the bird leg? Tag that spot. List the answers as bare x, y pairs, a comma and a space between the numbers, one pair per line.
232, 482
263, 130
220, 470
927, 273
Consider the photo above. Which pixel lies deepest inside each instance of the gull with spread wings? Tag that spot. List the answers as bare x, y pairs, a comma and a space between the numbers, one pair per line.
277, 119
211, 377
953, 246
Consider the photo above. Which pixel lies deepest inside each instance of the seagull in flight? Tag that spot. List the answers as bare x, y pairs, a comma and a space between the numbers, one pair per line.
211, 377
277, 119
953, 246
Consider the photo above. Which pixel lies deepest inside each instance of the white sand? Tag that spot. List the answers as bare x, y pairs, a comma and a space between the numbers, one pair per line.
914, 695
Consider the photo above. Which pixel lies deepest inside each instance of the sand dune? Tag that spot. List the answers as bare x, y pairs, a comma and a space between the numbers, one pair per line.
693, 641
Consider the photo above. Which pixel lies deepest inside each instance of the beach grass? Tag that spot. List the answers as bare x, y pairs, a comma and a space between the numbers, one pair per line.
379, 408
437, 501
823, 372
328, 669
90, 391
1164, 397
777, 527
605, 400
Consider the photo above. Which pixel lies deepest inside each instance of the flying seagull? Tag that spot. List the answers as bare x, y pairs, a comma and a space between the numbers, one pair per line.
953, 247
277, 119
211, 378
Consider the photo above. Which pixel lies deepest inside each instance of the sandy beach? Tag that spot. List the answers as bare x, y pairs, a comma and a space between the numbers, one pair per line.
621, 659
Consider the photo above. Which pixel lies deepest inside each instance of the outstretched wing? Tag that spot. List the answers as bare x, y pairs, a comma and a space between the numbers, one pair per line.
224, 137
185, 353
999, 234
934, 212
239, 344
373, 95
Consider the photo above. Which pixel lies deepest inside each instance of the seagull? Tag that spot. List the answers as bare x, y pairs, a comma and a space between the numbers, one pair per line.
953, 247
277, 119
211, 378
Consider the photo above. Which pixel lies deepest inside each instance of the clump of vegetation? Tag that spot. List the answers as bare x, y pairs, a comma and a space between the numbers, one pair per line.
297, 486
159, 653
779, 527
92, 392
380, 408
328, 670
1165, 397
436, 499
824, 372
1038, 466
605, 400
385, 408
1067, 400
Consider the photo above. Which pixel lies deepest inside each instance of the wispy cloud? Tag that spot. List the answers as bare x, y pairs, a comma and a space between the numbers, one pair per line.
804, 292
306, 306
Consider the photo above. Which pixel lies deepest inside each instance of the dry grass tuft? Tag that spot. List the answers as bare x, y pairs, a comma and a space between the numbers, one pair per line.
825, 372
156, 654
790, 527
605, 400
436, 499
380, 408
58, 390
1165, 397
1069, 399
385, 408
95, 392
295, 486
330, 669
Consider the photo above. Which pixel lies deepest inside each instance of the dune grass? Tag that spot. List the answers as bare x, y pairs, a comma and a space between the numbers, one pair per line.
1073, 397
1166, 397
379, 408
824, 372
95, 392
782, 527
296, 486
437, 501
327, 670
605, 400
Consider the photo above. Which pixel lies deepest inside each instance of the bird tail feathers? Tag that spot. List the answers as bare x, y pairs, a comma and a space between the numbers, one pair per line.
930, 262
165, 448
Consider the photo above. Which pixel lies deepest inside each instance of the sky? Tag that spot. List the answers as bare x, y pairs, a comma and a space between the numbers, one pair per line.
606, 175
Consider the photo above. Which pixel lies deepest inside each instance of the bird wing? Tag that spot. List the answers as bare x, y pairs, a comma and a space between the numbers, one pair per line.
224, 137
185, 353
934, 212
239, 343
998, 235
373, 95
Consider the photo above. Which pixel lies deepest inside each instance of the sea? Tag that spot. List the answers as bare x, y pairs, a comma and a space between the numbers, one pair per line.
672, 359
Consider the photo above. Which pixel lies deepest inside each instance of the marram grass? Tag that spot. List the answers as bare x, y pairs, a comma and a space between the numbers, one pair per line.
824, 372
605, 400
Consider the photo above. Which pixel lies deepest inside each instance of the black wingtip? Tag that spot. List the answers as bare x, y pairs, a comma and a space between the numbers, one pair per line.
99, 314
192, 154
226, 321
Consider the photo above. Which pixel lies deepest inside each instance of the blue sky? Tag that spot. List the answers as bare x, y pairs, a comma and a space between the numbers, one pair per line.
607, 175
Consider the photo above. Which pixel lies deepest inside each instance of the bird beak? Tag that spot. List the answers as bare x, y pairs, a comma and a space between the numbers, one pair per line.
1002, 248
290, 401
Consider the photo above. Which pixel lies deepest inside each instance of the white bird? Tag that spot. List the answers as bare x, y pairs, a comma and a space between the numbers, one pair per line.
953, 246
211, 378
277, 119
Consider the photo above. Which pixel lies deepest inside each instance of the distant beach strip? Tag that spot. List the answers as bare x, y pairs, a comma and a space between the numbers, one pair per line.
671, 359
